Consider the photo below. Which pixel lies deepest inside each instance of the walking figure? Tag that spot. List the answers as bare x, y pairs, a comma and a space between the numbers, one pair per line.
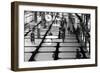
38, 33
63, 34
32, 37
59, 36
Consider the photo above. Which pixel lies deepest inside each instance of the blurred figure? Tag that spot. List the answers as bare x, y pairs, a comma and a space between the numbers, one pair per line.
59, 36
32, 36
38, 33
63, 34
62, 28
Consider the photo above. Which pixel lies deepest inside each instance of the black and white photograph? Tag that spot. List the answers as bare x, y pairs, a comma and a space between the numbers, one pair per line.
56, 36
53, 36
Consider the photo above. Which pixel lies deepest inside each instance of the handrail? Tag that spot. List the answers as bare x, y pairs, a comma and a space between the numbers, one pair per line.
36, 51
83, 28
28, 23
33, 28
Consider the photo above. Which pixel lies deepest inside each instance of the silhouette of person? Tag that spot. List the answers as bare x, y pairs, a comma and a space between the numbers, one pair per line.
38, 32
63, 34
59, 36
32, 36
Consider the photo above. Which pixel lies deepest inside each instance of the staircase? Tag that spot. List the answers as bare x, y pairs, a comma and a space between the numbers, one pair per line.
50, 47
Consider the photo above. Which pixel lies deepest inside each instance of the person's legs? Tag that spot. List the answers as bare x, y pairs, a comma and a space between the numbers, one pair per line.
63, 37
34, 40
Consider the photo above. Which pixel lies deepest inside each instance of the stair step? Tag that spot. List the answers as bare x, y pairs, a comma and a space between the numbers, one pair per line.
67, 55
43, 56
48, 49
29, 49
70, 44
68, 48
27, 56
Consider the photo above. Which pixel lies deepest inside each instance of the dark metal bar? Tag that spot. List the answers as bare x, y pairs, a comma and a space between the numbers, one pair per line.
33, 27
